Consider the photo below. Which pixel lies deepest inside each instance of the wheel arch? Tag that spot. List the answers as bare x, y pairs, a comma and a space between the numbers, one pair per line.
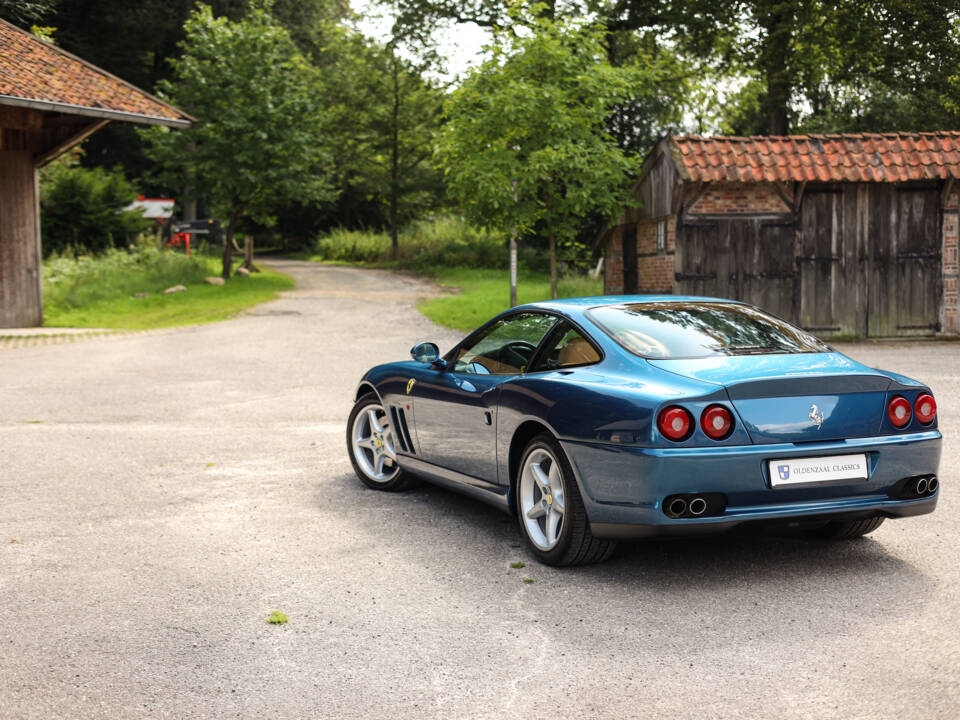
524, 433
365, 388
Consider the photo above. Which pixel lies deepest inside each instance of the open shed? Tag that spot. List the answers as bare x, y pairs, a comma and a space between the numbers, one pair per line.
50, 100
852, 234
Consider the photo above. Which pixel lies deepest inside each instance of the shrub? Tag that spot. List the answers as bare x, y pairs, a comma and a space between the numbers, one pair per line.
427, 244
75, 281
82, 208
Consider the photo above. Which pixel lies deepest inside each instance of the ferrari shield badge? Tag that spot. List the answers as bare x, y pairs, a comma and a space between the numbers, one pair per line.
410, 384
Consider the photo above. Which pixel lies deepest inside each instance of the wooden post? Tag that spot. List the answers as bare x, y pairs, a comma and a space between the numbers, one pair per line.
21, 272
248, 254
513, 269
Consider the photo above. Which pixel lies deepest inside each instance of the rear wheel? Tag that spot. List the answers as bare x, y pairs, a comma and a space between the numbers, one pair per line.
550, 510
371, 444
846, 529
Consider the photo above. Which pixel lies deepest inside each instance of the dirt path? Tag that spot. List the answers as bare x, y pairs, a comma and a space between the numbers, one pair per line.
161, 494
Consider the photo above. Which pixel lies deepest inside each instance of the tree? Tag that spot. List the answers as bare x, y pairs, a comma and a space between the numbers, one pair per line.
25, 11
400, 126
877, 65
525, 144
259, 140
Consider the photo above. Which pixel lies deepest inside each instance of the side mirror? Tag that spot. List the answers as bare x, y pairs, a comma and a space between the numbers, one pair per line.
426, 352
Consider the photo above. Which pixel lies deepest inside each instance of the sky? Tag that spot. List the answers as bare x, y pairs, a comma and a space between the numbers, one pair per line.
460, 45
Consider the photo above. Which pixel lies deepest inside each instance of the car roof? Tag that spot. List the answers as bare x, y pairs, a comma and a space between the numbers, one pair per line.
579, 304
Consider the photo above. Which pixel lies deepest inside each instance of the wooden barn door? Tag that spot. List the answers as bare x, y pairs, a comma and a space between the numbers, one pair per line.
706, 260
819, 263
905, 261
765, 262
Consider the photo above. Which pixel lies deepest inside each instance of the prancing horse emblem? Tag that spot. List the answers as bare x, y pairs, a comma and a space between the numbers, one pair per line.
816, 416
410, 385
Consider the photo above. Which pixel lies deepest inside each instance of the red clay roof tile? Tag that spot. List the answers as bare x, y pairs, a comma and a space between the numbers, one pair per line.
35, 70
854, 157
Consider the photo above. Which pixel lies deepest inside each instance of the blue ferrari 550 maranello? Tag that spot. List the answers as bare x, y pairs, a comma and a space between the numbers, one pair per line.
595, 419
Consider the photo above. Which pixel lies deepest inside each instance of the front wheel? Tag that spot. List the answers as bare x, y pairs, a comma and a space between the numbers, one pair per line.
371, 444
550, 508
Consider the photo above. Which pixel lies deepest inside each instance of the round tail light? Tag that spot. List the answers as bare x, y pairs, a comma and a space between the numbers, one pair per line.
674, 422
899, 411
926, 408
717, 422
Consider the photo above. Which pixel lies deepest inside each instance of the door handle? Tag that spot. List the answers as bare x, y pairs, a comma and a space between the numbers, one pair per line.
488, 418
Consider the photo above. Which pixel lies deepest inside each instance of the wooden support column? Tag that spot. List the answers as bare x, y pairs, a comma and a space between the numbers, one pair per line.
21, 303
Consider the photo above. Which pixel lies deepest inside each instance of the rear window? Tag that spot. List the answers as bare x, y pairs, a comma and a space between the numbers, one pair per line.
669, 330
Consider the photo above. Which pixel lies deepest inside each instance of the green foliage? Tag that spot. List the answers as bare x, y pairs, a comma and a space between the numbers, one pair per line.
424, 245
851, 66
82, 208
384, 114
662, 86
517, 565
259, 140
525, 145
98, 290
484, 293
73, 281
25, 11
743, 114
277, 618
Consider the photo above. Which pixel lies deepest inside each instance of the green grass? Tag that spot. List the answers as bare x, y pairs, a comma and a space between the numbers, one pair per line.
98, 291
484, 293
518, 564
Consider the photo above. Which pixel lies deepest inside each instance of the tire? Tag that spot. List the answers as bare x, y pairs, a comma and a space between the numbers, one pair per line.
545, 484
846, 529
371, 446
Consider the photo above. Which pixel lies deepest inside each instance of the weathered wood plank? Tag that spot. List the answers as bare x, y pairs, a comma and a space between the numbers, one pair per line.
20, 268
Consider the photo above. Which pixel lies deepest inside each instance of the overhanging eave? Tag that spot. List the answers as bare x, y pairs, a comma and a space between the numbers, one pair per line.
68, 109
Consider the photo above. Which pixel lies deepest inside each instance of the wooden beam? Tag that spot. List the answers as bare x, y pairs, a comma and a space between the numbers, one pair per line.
798, 195
71, 141
947, 189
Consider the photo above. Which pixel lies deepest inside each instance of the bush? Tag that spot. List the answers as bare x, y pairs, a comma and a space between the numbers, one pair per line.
427, 244
71, 282
82, 208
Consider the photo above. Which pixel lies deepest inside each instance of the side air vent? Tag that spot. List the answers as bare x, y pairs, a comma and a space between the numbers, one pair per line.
399, 417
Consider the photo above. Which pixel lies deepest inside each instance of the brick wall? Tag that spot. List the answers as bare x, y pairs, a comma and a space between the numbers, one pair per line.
655, 265
752, 198
950, 323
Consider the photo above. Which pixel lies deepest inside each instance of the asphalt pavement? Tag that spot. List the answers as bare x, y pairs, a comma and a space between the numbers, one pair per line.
162, 493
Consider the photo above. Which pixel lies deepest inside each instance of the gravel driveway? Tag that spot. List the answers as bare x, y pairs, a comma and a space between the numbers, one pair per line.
161, 494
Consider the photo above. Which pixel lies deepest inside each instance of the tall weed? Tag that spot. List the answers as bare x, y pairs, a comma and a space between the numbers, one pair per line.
71, 281
426, 245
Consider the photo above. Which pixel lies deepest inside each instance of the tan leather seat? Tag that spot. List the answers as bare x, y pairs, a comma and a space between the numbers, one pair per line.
577, 351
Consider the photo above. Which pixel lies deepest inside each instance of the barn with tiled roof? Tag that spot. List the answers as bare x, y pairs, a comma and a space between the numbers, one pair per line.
50, 101
844, 234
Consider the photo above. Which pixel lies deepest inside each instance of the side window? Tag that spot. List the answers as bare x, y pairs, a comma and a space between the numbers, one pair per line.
570, 350
507, 346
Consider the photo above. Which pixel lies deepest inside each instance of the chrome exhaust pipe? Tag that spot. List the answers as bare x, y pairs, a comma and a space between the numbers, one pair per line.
676, 507
921, 486
932, 484
698, 506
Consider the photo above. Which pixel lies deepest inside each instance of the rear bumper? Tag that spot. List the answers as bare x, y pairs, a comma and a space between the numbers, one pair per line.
623, 487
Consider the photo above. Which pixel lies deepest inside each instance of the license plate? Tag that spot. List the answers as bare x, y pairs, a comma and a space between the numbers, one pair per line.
804, 471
